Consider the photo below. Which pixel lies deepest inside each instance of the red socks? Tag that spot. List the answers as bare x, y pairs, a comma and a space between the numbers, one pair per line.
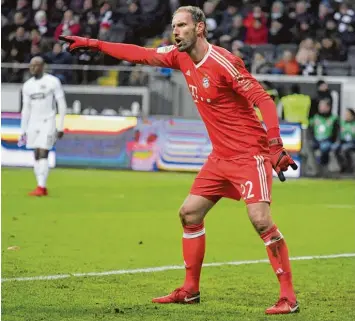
278, 255
193, 247
194, 243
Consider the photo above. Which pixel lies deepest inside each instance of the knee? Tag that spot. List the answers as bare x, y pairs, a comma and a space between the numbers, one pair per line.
189, 216
262, 225
261, 221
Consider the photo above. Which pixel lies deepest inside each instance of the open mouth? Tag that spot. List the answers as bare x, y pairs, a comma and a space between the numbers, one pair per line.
178, 42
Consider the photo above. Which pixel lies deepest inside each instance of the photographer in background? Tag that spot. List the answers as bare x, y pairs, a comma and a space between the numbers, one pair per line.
346, 145
324, 128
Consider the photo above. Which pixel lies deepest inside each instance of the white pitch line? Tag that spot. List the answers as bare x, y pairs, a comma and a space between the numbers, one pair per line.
167, 268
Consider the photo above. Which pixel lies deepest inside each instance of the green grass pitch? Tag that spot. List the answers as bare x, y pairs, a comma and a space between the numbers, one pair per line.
98, 221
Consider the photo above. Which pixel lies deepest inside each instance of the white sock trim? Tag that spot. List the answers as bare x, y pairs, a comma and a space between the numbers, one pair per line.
36, 169
194, 234
43, 172
274, 240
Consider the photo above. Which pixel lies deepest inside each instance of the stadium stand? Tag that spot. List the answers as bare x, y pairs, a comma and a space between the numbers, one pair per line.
312, 34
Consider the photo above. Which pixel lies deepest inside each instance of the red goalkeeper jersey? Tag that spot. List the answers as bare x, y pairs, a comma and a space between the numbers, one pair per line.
223, 91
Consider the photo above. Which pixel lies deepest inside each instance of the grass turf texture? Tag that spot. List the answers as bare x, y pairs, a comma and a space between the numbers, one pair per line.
98, 221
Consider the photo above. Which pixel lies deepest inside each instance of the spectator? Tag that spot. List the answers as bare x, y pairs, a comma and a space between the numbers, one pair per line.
241, 54
324, 130
323, 92
42, 24
279, 33
35, 37
131, 23
155, 15
330, 50
39, 5
346, 145
76, 5
287, 65
309, 66
237, 32
59, 57
211, 21
307, 57
19, 46
20, 21
348, 36
24, 7
89, 19
87, 58
278, 14
329, 31
308, 45
301, 14
344, 17
105, 18
68, 27
260, 65
257, 33
138, 78
227, 21
303, 30
57, 13
35, 51
324, 15
16, 50
256, 14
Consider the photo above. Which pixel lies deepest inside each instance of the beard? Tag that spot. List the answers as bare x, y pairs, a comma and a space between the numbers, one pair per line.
186, 45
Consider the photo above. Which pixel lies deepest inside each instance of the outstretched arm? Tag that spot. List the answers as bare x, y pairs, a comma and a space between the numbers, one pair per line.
161, 57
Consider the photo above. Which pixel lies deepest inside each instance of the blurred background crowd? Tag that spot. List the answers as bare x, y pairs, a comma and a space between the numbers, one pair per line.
282, 37
272, 36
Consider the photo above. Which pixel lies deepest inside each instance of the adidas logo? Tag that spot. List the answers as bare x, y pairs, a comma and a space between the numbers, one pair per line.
188, 73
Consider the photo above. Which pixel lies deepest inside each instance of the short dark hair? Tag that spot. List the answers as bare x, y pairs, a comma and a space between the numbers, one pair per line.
197, 15
320, 82
295, 89
352, 112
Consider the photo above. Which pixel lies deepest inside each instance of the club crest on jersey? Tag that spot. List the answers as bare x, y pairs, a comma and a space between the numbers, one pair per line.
205, 82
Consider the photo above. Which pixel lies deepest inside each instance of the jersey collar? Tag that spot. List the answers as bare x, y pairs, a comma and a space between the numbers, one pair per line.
205, 57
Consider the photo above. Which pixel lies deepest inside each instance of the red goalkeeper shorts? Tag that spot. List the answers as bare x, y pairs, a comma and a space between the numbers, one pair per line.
250, 179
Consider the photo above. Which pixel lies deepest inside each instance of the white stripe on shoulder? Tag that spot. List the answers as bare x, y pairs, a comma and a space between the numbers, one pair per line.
223, 58
230, 70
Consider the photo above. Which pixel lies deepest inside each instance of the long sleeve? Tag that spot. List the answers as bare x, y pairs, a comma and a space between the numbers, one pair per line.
161, 57
248, 87
26, 111
62, 109
61, 104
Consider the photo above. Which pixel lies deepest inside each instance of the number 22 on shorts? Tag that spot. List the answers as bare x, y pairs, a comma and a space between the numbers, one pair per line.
247, 189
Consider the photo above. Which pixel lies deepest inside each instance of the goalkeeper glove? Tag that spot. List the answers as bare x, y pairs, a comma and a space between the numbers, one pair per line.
76, 43
280, 159
22, 140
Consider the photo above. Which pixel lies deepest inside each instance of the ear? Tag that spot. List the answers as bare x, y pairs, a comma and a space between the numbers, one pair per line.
200, 28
